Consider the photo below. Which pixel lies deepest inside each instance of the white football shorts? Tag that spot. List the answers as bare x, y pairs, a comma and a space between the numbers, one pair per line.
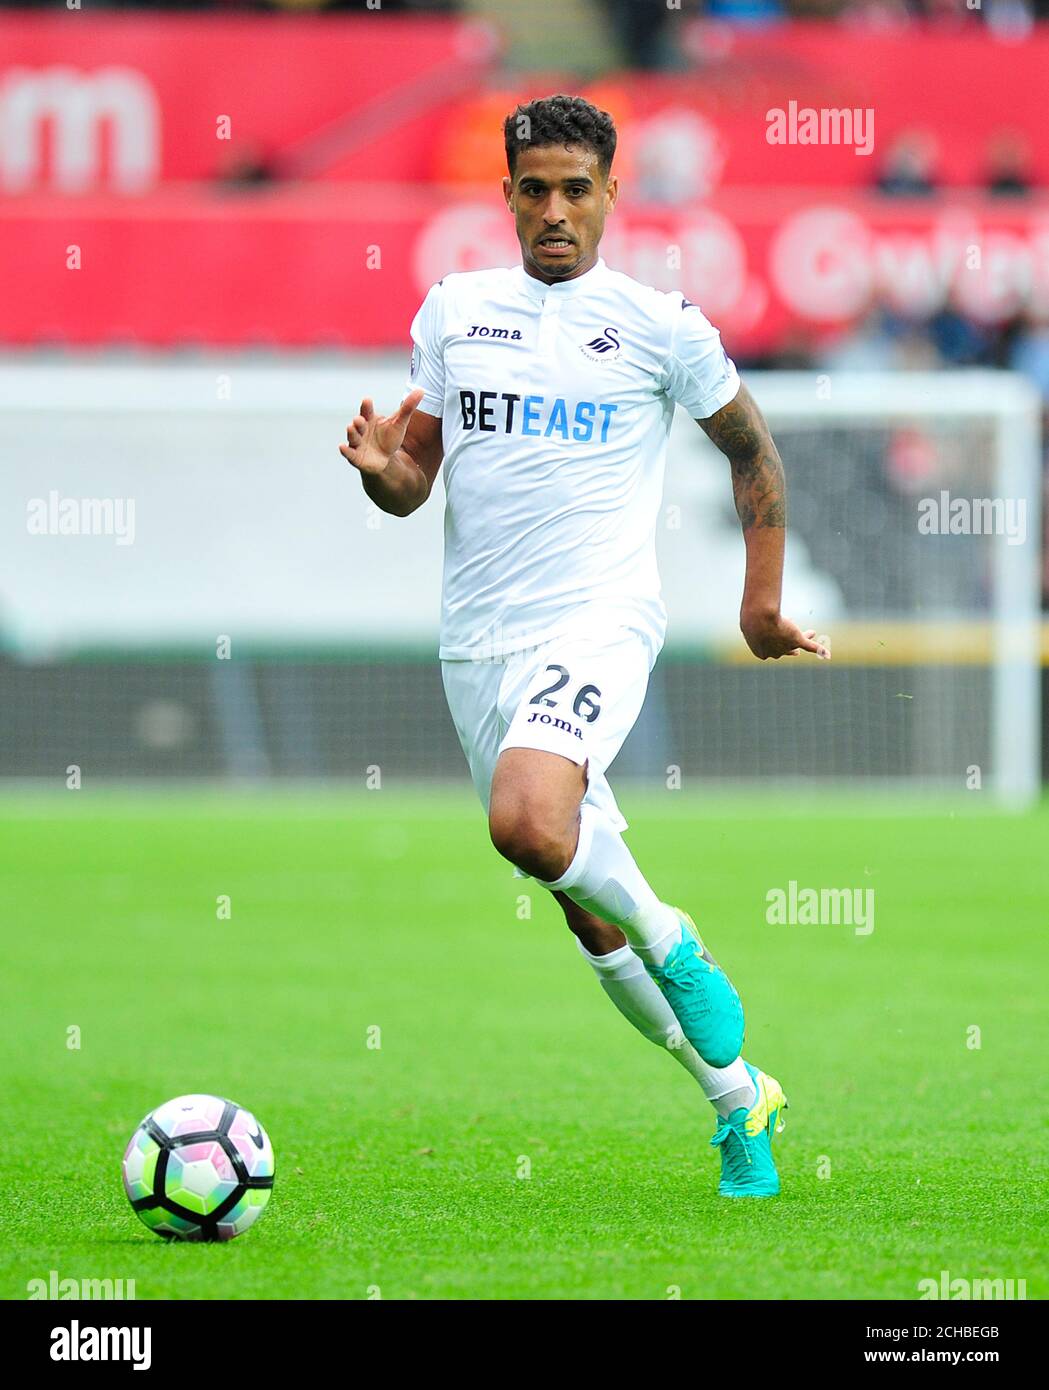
576, 695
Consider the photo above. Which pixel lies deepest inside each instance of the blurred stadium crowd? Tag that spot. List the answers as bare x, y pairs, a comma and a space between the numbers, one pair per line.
645, 20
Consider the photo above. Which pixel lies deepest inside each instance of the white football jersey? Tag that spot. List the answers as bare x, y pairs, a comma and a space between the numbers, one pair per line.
556, 403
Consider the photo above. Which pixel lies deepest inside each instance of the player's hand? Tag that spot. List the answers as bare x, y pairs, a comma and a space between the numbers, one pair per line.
771, 635
372, 440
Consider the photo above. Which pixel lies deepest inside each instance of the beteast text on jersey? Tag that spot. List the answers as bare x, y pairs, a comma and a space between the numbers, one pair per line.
478, 410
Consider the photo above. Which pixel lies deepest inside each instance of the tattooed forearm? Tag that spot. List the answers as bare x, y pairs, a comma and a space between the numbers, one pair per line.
740, 432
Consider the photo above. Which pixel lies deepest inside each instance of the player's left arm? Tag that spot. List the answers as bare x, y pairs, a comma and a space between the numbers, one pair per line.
758, 485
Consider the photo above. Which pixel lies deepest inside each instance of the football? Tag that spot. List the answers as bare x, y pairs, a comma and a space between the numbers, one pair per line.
199, 1168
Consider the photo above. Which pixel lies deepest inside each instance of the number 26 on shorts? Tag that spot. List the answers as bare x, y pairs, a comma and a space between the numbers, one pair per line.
584, 705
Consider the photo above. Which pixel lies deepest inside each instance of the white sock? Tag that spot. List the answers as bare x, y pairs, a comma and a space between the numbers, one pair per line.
638, 998
604, 879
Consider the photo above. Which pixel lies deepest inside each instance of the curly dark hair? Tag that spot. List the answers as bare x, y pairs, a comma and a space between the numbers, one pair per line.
560, 120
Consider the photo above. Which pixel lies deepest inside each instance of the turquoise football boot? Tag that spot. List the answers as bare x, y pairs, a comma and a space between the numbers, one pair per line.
703, 1000
745, 1141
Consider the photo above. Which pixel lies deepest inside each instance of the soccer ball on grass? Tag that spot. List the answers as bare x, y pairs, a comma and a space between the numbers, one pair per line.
199, 1168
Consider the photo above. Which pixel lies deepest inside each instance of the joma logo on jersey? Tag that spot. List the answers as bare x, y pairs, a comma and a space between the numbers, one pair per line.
505, 412
604, 348
557, 723
480, 330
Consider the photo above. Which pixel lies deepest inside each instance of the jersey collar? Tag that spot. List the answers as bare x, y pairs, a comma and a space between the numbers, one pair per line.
566, 289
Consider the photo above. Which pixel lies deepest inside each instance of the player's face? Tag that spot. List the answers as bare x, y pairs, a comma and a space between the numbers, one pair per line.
559, 198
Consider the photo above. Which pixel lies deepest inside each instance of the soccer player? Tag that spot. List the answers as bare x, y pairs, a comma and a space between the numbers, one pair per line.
548, 390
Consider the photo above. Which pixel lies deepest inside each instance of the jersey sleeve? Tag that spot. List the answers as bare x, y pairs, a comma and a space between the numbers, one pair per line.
427, 362
698, 373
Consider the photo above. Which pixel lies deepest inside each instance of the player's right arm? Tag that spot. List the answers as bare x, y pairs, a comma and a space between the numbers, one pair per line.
398, 456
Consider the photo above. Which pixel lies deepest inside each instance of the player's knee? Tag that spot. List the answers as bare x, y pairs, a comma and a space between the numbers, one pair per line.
522, 834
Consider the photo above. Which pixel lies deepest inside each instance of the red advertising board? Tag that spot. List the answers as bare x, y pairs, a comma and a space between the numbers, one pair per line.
350, 267
119, 103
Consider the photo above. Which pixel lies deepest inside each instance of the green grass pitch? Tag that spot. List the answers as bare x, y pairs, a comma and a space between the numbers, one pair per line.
402, 1168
